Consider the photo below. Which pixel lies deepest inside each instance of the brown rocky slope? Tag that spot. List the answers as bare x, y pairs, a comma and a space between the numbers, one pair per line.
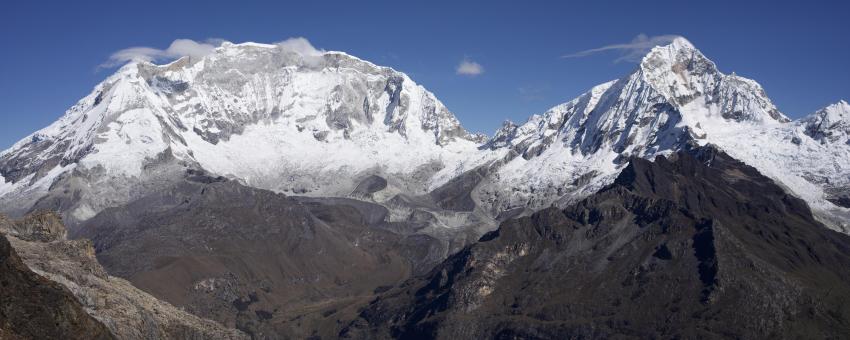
698, 245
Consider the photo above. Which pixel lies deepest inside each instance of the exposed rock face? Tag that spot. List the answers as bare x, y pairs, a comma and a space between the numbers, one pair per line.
38, 227
127, 312
32, 307
697, 245
369, 186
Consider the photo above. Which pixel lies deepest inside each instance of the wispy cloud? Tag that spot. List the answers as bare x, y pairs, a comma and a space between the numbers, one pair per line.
532, 93
632, 51
178, 48
468, 67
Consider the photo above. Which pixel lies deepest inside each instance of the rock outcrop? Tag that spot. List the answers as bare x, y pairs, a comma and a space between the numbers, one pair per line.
127, 312
33, 307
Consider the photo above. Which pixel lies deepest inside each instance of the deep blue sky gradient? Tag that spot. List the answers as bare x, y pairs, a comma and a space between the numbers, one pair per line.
799, 52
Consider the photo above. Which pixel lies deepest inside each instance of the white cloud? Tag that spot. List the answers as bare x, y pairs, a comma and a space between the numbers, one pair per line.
632, 51
309, 55
469, 68
178, 48
186, 47
301, 46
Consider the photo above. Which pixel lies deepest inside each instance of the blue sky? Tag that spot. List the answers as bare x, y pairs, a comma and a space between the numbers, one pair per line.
799, 52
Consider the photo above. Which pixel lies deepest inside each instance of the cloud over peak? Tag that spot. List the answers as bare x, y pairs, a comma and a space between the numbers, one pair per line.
178, 48
195, 49
468, 67
631, 51
301, 46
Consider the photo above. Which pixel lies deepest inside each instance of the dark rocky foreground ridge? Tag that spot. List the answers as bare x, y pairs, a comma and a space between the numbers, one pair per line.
698, 245
33, 307
54, 288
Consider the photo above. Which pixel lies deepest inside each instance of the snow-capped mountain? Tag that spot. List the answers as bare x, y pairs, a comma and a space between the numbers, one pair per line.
830, 124
308, 122
675, 96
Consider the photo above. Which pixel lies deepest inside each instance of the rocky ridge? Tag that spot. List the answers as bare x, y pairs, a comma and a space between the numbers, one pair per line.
126, 311
692, 245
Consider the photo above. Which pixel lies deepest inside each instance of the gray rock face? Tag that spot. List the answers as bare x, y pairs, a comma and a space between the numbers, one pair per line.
370, 185
43, 226
456, 195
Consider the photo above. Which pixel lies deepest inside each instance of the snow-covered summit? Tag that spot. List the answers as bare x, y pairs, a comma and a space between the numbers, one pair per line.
291, 118
682, 74
675, 96
285, 117
830, 124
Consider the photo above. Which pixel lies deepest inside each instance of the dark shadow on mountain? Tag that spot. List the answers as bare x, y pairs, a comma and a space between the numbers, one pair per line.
698, 245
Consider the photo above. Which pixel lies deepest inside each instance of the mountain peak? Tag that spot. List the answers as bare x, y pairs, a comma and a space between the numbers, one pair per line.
306, 115
833, 113
687, 78
840, 106
678, 49
680, 43
829, 124
679, 71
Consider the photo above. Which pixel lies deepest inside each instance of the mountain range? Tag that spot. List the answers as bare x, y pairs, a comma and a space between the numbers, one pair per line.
283, 192
318, 123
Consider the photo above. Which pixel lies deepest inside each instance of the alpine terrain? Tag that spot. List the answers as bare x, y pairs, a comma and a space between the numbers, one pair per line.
696, 246
274, 191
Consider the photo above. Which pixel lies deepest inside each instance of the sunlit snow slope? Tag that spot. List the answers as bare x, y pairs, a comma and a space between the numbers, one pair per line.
308, 122
675, 96
305, 122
